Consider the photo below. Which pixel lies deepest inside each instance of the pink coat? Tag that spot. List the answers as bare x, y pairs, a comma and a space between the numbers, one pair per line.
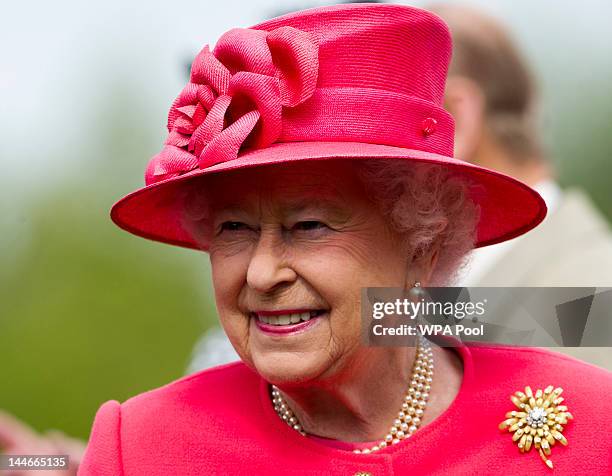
221, 422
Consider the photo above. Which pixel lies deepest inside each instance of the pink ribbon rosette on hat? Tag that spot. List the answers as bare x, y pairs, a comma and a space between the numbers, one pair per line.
235, 97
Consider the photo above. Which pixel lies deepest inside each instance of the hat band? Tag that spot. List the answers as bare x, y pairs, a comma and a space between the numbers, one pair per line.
366, 115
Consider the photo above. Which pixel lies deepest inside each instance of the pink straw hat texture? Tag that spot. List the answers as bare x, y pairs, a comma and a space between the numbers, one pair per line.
356, 81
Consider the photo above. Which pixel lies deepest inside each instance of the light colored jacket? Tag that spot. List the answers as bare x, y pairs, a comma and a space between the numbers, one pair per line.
572, 247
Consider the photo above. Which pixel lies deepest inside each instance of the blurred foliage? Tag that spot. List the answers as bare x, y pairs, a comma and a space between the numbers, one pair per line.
580, 136
87, 312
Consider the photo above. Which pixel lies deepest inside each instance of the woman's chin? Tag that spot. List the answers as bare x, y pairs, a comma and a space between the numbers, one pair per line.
285, 368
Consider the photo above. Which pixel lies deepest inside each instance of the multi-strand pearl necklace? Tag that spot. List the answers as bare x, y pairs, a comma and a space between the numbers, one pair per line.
409, 417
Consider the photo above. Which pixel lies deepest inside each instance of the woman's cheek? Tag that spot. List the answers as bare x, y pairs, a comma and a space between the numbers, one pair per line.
231, 247
228, 279
229, 266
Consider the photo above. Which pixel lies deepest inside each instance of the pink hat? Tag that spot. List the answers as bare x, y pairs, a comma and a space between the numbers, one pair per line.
356, 81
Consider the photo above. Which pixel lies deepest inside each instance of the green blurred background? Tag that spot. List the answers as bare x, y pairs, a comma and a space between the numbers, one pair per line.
90, 313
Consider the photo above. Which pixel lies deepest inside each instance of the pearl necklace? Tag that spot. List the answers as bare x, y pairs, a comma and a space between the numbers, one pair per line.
409, 417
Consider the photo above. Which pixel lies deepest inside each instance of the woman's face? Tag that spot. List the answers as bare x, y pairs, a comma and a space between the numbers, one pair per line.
299, 239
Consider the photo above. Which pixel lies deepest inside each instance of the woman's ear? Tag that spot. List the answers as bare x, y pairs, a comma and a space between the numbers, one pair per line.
421, 269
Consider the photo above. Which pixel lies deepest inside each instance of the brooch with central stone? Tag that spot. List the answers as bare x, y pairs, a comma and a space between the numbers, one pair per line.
539, 420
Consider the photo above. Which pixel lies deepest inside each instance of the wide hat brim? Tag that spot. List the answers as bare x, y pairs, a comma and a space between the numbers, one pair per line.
508, 207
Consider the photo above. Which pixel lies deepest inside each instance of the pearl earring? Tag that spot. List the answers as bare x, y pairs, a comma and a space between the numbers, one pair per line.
416, 292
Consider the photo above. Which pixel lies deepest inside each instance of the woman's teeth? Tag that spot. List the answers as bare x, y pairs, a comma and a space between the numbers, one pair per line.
286, 319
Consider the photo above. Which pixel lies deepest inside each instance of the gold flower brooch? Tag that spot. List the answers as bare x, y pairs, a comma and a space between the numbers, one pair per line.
539, 420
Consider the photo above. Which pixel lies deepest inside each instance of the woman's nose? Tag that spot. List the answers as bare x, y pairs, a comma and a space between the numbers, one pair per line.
268, 267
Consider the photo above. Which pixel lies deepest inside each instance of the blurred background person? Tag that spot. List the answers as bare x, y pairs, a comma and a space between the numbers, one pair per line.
17, 438
493, 95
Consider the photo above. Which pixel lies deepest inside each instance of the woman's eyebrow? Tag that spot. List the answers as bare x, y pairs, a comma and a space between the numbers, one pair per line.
316, 203
291, 207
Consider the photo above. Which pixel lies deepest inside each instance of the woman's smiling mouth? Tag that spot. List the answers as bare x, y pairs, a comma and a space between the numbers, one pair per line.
286, 321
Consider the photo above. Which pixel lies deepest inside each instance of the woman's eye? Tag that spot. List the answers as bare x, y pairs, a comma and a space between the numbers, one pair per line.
309, 225
233, 226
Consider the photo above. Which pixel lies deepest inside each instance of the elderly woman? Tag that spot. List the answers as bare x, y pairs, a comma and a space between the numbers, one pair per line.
310, 156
